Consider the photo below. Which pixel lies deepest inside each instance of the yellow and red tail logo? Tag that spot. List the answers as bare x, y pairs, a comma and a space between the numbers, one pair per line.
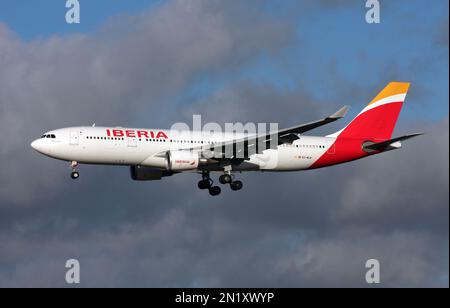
392, 92
375, 123
377, 120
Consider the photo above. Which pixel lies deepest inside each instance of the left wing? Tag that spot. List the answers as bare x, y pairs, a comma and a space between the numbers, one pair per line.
245, 147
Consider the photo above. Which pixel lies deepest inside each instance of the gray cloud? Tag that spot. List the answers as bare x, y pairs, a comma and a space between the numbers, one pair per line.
316, 232
283, 230
244, 101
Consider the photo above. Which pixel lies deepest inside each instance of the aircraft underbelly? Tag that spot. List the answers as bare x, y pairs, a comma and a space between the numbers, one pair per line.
104, 154
290, 158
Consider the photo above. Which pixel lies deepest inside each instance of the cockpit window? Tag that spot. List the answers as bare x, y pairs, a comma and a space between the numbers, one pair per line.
49, 136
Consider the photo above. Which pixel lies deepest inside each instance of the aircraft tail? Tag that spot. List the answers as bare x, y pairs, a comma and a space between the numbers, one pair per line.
377, 121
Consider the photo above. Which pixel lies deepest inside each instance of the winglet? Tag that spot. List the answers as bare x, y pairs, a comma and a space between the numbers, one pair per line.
340, 113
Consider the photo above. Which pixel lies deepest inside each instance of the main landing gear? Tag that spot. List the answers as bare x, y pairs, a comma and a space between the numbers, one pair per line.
207, 183
236, 185
227, 178
74, 174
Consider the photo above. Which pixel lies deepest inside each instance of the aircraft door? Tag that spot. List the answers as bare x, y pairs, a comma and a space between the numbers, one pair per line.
132, 142
74, 138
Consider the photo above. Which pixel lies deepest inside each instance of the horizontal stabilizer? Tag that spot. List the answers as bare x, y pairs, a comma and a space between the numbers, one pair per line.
381, 146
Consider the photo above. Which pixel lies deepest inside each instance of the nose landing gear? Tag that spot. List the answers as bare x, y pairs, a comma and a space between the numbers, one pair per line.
74, 174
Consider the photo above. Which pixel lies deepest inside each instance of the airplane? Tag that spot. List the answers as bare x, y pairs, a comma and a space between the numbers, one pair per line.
153, 154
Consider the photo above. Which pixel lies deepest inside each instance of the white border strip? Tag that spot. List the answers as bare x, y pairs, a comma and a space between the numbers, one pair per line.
390, 99
387, 100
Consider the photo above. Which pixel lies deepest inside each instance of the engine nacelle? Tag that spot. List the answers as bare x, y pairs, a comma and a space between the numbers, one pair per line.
182, 160
141, 173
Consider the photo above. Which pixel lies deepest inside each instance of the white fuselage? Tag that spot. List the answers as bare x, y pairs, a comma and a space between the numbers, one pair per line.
140, 147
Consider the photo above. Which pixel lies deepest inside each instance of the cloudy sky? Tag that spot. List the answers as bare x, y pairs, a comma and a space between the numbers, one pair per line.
154, 63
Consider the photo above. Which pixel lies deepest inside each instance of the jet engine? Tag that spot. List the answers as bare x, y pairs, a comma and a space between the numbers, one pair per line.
141, 173
182, 160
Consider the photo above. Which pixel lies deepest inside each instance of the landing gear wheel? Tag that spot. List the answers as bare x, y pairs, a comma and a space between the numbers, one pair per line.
215, 191
236, 185
74, 175
204, 184
225, 179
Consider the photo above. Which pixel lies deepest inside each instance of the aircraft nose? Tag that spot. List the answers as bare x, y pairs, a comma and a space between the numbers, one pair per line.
37, 145
43, 146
